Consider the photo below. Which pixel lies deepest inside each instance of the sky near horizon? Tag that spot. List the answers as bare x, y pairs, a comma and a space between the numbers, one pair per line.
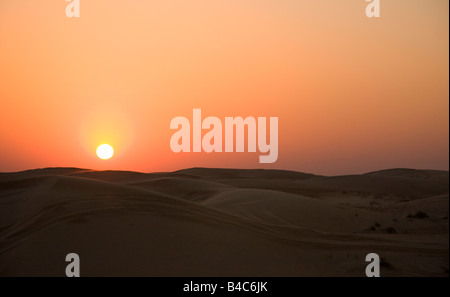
352, 94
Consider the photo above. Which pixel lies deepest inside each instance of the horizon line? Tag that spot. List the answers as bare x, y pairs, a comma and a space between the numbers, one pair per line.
217, 168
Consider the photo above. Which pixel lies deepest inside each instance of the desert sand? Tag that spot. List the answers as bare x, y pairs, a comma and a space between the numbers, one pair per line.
223, 222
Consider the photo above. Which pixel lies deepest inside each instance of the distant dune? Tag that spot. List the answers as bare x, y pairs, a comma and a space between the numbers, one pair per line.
223, 222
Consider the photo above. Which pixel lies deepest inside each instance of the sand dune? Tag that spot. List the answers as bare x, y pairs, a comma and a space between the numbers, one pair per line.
223, 222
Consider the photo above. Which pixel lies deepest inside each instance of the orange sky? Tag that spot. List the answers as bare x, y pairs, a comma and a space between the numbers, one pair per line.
352, 94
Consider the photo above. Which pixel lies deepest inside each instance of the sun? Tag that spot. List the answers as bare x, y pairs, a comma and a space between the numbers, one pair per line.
105, 151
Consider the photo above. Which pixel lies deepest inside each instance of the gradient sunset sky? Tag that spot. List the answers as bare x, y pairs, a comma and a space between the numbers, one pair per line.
352, 94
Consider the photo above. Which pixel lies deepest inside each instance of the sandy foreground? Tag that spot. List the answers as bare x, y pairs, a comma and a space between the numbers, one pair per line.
223, 222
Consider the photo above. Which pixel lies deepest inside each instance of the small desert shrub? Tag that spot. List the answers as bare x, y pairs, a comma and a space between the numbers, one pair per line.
385, 263
418, 215
391, 230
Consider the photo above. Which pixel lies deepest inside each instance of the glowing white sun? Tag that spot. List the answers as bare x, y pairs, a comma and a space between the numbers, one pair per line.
105, 151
